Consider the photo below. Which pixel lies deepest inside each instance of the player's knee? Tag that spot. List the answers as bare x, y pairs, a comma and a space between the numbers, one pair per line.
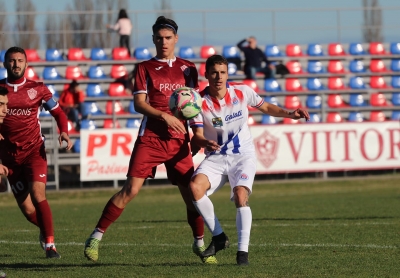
241, 196
130, 189
197, 189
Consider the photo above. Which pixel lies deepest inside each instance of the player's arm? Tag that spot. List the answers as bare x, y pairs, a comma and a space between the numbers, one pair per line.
276, 111
3, 169
199, 139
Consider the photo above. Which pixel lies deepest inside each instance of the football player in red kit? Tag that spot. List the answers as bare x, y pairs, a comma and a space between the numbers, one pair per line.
162, 137
22, 149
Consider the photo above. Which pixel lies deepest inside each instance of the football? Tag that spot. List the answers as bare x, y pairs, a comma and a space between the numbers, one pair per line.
185, 103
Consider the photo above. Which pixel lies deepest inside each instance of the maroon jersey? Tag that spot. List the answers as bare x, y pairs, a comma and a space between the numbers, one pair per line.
21, 127
158, 79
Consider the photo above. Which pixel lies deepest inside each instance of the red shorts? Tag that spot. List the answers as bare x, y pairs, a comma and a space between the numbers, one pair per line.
24, 168
149, 152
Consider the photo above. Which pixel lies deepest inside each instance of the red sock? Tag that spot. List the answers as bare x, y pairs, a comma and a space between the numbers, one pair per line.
110, 213
32, 218
196, 223
45, 220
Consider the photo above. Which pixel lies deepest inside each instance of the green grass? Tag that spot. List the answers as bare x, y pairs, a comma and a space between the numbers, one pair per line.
342, 228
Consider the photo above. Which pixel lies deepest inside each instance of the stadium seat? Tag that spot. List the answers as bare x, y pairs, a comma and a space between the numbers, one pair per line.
292, 102
395, 81
88, 124
333, 117
232, 68
51, 73
94, 90
293, 85
77, 146
315, 66
271, 85
357, 82
31, 74
53, 91
357, 66
396, 99
251, 83
272, 50
314, 118
2, 54
131, 108
109, 123
120, 53
117, 108
133, 123
186, 52
377, 82
378, 99
356, 49
117, 89
395, 48
53, 54
336, 66
355, 117
268, 120
377, 116
289, 121
71, 128
96, 72
313, 101
74, 72
377, 65
357, 100
315, 50
118, 71
202, 69
142, 53
336, 49
3, 73
314, 84
230, 51
336, 101
395, 115
32, 55
376, 48
293, 50
272, 100
395, 65
207, 51
76, 54
294, 67
90, 108
336, 83
202, 85
98, 54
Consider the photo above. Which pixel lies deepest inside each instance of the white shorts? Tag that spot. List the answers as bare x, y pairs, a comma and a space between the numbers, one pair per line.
239, 169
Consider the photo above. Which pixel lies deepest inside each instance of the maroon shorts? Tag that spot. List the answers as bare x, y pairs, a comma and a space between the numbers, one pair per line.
149, 152
24, 168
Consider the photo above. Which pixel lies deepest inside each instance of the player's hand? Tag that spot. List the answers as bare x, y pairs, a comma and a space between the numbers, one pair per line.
300, 113
64, 137
3, 170
212, 146
1, 137
194, 147
174, 123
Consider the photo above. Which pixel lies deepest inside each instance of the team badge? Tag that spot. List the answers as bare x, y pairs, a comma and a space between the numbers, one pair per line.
32, 93
217, 122
244, 177
235, 101
267, 148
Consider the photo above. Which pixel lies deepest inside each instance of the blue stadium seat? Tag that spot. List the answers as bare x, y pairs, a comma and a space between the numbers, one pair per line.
96, 72
396, 81
357, 66
271, 85
98, 54
186, 52
230, 51
2, 55
356, 49
131, 108
395, 115
88, 124
313, 101
53, 54
77, 146
395, 65
314, 118
90, 108
53, 91
272, 99
232, 68
395, 48
357, 100
396, 99
133, 123
314, 84
94, 90
3, 73
51, 73
315, 66
268, 120
356, 117
272, 50
142, 53
357, 82
315, 50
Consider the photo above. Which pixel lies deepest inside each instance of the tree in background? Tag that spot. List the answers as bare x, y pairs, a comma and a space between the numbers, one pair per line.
164, 8
4, 38
372, 29
27, 36
57, 32
81, 23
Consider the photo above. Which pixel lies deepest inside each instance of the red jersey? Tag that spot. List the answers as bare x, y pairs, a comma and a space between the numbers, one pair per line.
21, 127
158, 79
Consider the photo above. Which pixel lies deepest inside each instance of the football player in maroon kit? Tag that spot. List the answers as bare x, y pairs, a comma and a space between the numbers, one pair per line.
22, 148
162, 138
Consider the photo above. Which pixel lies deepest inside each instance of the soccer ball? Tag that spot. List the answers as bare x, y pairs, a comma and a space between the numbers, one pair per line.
185, 103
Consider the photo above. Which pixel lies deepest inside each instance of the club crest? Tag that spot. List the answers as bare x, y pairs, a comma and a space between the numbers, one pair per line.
32, 93
267, 148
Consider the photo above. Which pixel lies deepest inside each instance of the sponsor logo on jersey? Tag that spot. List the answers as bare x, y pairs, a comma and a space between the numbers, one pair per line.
32, 93
235, 101
233, 116
266, 148
169, 86
19, 112
185, 70
244, 177
159, 68
42, 175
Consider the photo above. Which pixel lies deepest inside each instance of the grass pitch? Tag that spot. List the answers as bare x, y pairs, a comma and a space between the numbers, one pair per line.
346, 228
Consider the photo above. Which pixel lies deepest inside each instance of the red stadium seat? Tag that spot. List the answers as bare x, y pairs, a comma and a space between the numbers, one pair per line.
202, 85
32, 55
116, 89
202, 69
31, 74
336, 66
290, 121
251, 83
118, 108
76, 54
377, 65
377, 48
120, 53
377, 116
292, 102
377, 82
378, 99
335, 83
293, 50
293, 85
108, 123
336, 49
294, 67
334, 117
336, 101
74, 72
118, 71
207, 51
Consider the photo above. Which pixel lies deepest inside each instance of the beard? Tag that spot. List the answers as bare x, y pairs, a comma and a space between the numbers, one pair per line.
15, 76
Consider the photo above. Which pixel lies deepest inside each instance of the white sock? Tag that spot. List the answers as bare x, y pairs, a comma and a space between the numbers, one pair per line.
205, 207
243, 226
199, 242
97, 234
48, 245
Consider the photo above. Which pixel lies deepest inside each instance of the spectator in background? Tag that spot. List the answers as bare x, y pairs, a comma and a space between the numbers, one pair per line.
254, 57
124, 28
70, 101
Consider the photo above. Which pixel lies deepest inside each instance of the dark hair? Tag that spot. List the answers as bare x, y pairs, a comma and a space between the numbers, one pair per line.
165, 23
215, 59
122, 14
14, 49
3, 91
73, 84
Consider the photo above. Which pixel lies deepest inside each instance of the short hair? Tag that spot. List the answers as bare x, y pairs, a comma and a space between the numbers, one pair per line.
165, 23
14, 49
73, 84
3, 91
215, 59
